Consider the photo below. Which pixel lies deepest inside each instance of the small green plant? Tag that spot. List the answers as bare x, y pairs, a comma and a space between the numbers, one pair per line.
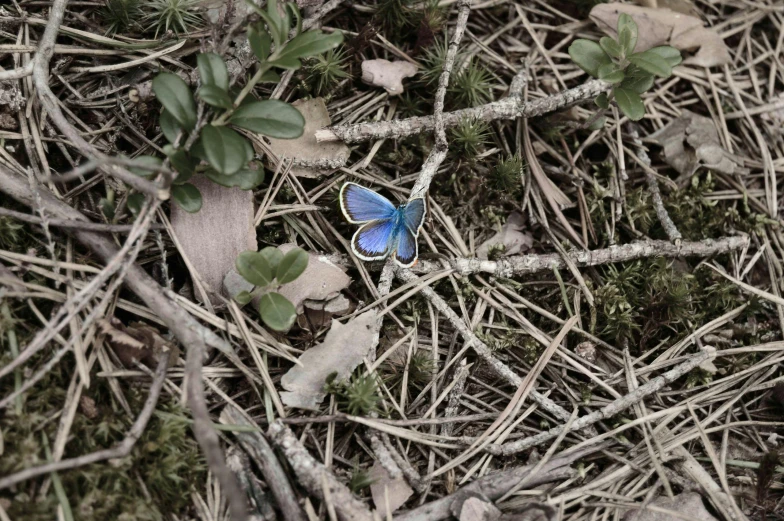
121, 15
470, 136
267, 270
471, 86
360, 480
178, 16
357, 396
326, 70
631, 73
507, 176
219, 152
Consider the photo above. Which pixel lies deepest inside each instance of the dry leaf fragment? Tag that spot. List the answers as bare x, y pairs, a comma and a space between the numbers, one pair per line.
309, 157
688, 505
511, 237
387, 74
666, 27
342, 350
138, 342
388, 491
474, 509
692, 141
213, 237
321, 280
680, 6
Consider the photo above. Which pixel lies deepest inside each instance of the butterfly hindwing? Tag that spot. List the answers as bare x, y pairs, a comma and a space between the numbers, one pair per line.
361, 205
373, 240
407, 248
414, 215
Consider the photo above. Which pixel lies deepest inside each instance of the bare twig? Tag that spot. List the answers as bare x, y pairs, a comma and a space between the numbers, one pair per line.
120, 451
59, 223
255, 444
313, 476
653, 186
609, 410
496, 485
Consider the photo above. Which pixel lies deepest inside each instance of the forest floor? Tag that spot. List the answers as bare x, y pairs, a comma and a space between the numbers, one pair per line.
594, 328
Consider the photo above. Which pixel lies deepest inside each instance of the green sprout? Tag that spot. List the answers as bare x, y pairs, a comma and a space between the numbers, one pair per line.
470, 136
326, 71
631, 73
507, 176
178, 16
121, 15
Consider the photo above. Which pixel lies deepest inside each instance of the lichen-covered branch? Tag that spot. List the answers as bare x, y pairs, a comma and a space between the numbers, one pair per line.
508, 108
525, 264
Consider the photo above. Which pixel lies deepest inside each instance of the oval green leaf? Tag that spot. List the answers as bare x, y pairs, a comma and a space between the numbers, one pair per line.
215, 96
589, 56
169, 126
630, 103
254, 268
637, 80
259, 41
652, 62
292, 265
610, 46
310, 43
224, 148
212, 70
670, 54
602, 101
276, 311
183, 164
627, 33
187, 197
273, 118
143, 161
135, 202
273, 256
245, 179
610, 73
243, 297
176, 98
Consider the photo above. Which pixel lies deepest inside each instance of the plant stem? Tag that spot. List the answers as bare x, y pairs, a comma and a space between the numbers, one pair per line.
264, 67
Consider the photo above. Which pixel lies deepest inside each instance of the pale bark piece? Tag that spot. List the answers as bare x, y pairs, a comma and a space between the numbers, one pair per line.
387, 491
386, 74
342, 350
213, 237
688, 505
309, 157
692, 141
321, 280
511, 236
665, 27
474, 509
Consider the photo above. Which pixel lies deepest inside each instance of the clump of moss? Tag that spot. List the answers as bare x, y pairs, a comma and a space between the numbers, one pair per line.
358, 396
507, 176
469, 138
325, 71
166, 459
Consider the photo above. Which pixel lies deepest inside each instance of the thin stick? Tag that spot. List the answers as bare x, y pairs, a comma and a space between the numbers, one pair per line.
607, 411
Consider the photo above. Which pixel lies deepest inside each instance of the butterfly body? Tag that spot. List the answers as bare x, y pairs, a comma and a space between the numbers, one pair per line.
386, 230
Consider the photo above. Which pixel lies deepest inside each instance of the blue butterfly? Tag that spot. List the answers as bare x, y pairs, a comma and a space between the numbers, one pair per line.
385, 230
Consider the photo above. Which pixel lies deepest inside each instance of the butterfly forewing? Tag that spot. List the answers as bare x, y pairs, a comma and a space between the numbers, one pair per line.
373, 240
361, 205
414, 215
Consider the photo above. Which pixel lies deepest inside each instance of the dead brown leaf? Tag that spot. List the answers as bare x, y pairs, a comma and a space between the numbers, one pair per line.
342, 350
387, 74
666, 27
688, 505
309, 157
321, 280
679, 6
388, 492
692, 141
137, 342
511, 236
